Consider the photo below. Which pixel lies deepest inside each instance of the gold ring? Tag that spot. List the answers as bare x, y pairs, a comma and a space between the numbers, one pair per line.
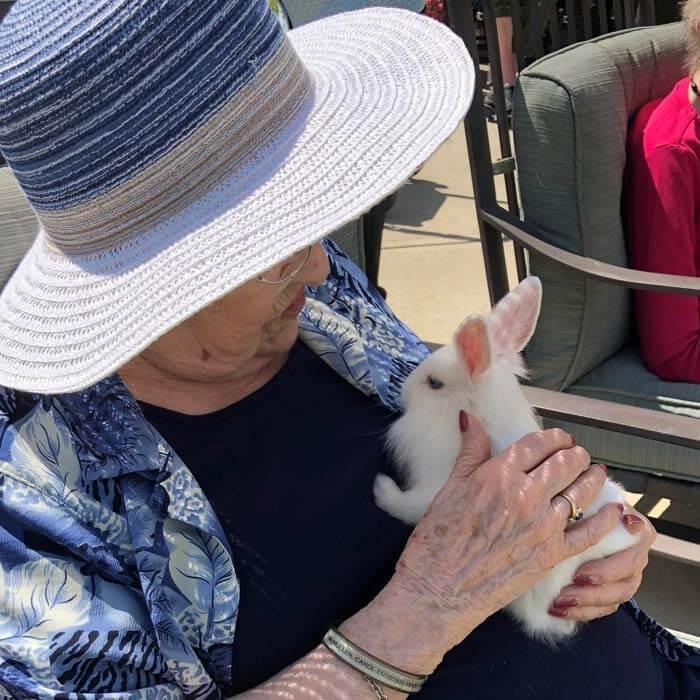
576, 512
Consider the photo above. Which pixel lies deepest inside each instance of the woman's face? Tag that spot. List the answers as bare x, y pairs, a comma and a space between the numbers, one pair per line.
241, 333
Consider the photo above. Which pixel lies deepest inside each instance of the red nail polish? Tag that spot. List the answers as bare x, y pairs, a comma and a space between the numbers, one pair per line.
463, 422
603, 467
565, 602
583, 580
633, 523
620, 507
558, 612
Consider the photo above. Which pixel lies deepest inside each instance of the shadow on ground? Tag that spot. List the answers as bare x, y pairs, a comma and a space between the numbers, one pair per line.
418, 202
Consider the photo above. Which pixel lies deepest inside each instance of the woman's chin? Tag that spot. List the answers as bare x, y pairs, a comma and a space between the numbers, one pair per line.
283, 333
297, 304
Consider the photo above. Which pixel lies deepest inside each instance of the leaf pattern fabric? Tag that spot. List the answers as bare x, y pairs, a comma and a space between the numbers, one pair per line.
116, 578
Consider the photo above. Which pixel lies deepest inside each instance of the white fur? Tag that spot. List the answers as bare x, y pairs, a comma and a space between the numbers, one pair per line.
426, 440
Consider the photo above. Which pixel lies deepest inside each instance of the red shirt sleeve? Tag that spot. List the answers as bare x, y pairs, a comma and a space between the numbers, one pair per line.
663, 213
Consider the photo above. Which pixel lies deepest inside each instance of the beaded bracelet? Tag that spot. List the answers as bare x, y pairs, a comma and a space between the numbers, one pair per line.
370, 666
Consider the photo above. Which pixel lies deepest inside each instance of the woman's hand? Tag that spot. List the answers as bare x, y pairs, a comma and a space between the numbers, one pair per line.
601, 586
496, 527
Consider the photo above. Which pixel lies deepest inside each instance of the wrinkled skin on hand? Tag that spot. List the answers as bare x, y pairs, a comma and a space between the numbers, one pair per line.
498, 526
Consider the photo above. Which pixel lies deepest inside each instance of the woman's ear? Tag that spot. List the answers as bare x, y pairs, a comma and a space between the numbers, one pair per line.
473, 346
514, 318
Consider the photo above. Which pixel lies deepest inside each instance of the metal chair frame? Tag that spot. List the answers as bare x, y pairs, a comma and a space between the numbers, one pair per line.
497, 222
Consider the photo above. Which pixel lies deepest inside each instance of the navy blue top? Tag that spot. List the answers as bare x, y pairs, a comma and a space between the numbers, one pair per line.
311, 547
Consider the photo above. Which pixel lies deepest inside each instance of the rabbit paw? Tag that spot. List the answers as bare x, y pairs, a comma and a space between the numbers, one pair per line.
542, 626
408, 506
387, 493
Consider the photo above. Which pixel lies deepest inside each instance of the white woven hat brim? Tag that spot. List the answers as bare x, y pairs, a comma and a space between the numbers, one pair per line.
389, 87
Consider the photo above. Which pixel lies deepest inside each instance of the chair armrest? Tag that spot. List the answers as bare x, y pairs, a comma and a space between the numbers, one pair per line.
609, 415
619, 418
517, 231
684, 552
630, 420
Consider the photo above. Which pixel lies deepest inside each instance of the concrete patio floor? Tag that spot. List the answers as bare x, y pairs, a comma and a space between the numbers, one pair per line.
432, 269
431, 262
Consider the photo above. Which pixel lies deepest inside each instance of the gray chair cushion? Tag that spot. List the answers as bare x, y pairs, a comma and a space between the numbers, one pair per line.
18, 225
624, 379
570, 117
301, 12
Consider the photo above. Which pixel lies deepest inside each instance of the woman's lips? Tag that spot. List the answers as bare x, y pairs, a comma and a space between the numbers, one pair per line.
294, 309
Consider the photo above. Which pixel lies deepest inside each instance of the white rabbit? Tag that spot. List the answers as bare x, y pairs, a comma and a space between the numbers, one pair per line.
478, 373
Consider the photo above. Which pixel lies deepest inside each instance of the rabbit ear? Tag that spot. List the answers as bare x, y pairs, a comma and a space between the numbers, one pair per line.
472, 341
513, 319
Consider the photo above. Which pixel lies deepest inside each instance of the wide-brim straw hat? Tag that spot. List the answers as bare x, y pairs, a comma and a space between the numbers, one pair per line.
175, 150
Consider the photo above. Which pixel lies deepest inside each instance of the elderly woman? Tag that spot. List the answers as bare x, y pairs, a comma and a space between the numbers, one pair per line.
197, 388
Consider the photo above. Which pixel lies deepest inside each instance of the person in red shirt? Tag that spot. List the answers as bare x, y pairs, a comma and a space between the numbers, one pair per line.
661, 209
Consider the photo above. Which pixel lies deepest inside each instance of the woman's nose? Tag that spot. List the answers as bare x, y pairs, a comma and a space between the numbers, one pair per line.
316, 269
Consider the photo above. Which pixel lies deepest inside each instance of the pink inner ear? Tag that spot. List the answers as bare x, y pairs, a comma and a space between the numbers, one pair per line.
514, 318
473, 344
511, 333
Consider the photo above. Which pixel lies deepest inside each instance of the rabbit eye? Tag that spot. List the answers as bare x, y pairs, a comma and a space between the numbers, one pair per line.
434, 383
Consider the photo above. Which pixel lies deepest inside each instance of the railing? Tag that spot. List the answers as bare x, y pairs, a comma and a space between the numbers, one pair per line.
541, 26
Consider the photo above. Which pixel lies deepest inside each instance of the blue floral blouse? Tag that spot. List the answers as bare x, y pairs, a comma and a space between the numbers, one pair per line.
116, 579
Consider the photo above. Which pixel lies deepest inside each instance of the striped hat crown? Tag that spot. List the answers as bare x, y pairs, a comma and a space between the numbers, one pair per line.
116, 114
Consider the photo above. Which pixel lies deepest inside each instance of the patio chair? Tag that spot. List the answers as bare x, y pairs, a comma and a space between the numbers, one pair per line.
570, 121
351, 239
18, 223
570, 128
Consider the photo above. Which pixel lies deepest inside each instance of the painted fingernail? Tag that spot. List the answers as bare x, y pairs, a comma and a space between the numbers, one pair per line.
583, 581
565, 602
633, 523
558, 612
621, 507
603, 467
463, 422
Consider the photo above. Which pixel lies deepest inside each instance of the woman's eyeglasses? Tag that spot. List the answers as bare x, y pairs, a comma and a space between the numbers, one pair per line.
287, 270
